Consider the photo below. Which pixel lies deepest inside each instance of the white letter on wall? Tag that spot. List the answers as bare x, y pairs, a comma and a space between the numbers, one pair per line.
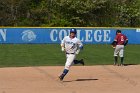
52, 34
106, 36
88, 36
98, 38
3, 34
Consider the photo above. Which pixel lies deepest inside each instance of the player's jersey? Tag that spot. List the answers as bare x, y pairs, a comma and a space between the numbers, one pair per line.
71, 45
120, 39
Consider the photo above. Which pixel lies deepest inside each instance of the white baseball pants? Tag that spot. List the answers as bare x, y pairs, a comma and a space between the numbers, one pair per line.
119, 50
69, 60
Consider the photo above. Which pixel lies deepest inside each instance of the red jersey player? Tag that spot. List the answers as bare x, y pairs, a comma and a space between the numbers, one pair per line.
120, 41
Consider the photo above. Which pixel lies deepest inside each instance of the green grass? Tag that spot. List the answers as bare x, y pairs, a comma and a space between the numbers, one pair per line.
13, 55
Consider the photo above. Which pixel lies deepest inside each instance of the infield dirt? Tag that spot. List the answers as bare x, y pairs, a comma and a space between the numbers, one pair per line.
80, 79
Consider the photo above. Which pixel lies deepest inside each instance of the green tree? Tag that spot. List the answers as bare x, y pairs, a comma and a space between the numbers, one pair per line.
129, 14
78, 12
83, 13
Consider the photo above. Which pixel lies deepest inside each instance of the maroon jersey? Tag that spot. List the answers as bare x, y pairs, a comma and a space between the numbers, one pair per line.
120, 39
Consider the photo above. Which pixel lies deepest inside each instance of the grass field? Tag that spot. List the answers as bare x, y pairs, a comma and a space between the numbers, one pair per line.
13, 55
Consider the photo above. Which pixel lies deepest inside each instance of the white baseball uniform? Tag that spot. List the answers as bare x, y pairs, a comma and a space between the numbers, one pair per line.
71, 47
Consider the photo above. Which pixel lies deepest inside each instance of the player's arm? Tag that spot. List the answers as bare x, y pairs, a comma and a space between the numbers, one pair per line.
126, 42
63, 45
80, 45
114, 43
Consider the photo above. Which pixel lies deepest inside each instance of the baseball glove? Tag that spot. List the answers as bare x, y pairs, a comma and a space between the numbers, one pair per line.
113, 46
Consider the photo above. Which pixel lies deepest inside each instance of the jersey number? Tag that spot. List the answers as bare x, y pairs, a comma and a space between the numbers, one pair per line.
122, 38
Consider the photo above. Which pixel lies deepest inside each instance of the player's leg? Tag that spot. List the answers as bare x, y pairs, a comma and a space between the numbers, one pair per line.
121, 54
122, 63
79, 62
69, 61
115, 60
65, 71
116, 51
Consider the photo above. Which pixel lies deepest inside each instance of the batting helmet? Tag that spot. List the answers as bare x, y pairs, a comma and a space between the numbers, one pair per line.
73, 30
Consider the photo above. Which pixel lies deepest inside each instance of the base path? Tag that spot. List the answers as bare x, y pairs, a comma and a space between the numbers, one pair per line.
80, 79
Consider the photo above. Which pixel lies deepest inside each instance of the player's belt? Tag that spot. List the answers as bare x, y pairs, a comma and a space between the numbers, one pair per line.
121, 44
70, 53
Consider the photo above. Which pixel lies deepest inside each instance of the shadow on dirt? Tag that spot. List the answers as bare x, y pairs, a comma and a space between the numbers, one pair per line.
85, 79
129, 64
81, 80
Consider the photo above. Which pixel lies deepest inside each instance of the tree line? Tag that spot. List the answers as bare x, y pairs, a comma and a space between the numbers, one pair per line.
74, 13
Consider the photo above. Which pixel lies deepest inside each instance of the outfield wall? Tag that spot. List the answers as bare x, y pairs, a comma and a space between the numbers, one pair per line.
55, 35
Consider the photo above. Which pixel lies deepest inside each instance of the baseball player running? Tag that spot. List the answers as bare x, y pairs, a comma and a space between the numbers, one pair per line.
72, 46
120, 41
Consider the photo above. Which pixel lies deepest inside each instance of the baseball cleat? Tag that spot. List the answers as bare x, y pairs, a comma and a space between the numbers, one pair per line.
61, 77
114, 64
82, 62
121, 64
